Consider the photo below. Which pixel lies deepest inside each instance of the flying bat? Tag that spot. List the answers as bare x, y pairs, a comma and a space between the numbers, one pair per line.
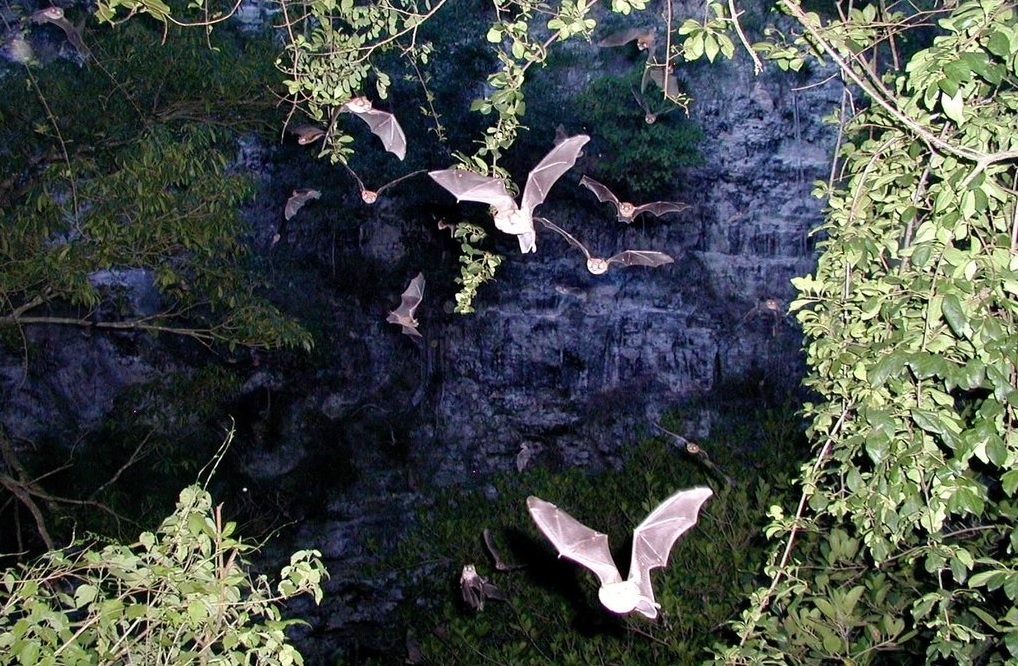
644, 38
597, 266
652, 542
297, 201
662, 77
476, 589
510, 217
500, 564
371, 196
382, 123
627, 211
650, 116
55, 15
404, 314
307, 133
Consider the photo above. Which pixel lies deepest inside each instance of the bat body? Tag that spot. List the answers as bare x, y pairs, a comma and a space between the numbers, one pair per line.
307, 133
662, 77
652, 542
382, 123
297, 201
644, 38
598, 266
55, 15
627, 212
476, 589
510, 217
404, 314
371, 196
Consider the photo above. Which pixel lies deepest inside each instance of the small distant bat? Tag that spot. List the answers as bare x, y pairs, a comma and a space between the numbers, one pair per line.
404, 314
644, 38
297, 201
55, 15
655, 73
371, 196
476, 589
770, 307
627, 211
523, 457
510, 217
307, 133
597, 266
652, 542
500, 564
649, 116
382, 123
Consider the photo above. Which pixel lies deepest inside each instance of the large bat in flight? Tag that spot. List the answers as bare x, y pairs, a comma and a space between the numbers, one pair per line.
598, 266
652, 542
510, 217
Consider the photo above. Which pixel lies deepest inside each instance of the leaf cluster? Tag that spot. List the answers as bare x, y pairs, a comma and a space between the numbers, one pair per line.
178, 595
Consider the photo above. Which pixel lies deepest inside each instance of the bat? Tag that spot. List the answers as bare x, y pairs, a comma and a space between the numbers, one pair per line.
476, 589
597, 266
627, 211
652, 542
510, 217
371, 196
404, 314
297, 201
500, 564
694, 449
644, 38
307, 133
523, 457
650, 117
55, 15
382, 123
656, 74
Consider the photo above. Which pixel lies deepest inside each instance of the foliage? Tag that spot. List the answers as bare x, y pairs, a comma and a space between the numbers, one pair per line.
477, 266
905, 538
553, 615
143, 185
648, 154
179, 595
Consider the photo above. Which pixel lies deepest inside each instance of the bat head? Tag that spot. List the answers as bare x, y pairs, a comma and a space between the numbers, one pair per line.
369, 197
48, 14
626, 209
358, 105
597, 266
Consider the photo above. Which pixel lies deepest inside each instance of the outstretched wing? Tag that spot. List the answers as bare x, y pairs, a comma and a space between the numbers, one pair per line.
469, 186
603, 194
385, 126
654, 537
659, 208
297, 201
565, 234
644, 38
574, 540
559, 159
641, 258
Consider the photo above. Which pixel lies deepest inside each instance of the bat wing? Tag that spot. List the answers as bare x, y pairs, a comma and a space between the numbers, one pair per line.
625, 36
659, 208
559, 159
654, 537
385, 126
565, 234
574, 540
641, 258
603, 194
469, 186
404, 314
297, 201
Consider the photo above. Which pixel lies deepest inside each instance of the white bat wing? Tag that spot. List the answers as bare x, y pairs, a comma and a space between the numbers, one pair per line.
654, 537
574, 540
469, 186
559, 159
